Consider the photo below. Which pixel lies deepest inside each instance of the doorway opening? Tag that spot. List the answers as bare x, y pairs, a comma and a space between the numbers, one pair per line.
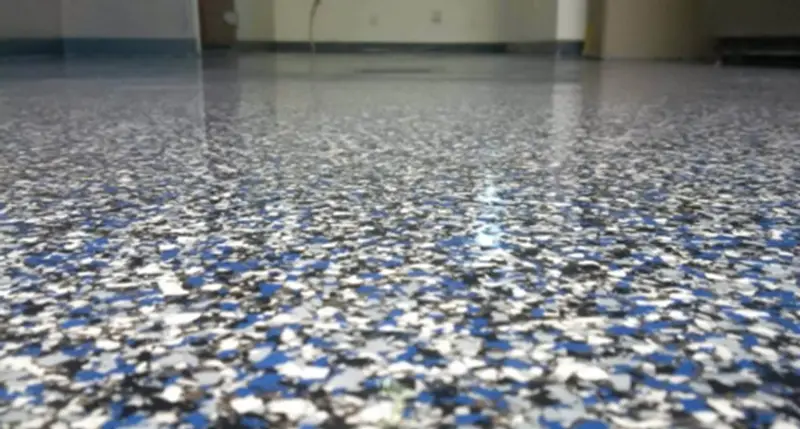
218, 24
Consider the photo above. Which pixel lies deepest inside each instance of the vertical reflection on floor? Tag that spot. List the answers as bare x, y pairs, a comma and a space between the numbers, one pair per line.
566, 149
221, 106
488, 225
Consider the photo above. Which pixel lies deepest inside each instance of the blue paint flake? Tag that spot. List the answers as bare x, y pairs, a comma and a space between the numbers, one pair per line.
195, 281
251, 422
785, 242
320, 343
656, 325
665, 385
368, 290
416, 272
470, 419
703, 293
78, 351
749, 341
44, 259
123, 367
269, 382
590, 424
498, 345
235, 267
456, 241
660, 358
31, 350
227, 354
453, 285
248, 321
81, 311
621, 330
229, 306
574, 347
425, 397
35, 390
84, 375
516, 363
408, 354
491, 394
169, 254
72, 323
687, 368
6, 396
693, 405
370, 276
763, 418
642, 310
268, 289
197, 420
591, 400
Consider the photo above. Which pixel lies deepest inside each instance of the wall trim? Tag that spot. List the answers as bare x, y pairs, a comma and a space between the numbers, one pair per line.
759, 50
188, 47
556, 48
559, 49
371, 47
22, 47
129, 46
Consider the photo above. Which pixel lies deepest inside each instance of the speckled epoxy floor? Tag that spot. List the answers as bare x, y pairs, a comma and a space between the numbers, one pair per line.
471, 241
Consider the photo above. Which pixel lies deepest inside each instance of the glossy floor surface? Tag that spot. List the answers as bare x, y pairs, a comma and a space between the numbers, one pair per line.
379, 241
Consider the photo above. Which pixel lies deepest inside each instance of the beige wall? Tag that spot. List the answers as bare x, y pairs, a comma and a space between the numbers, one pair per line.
156, 19
595, 17
672, 29
740, 18
256, 20
410, 21
652, 29
30, 19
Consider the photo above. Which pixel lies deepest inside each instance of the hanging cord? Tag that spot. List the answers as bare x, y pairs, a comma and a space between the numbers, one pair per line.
311, 15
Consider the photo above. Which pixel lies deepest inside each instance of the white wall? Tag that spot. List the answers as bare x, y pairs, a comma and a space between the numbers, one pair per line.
743, 18
392, 20
149, 19
30, 19
571, 19
482, 20
531, 20
409, 21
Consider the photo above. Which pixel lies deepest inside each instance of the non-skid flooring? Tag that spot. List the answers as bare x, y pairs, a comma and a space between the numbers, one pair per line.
398, 241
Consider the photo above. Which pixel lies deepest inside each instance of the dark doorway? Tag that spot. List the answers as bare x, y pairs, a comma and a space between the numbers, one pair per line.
218, 22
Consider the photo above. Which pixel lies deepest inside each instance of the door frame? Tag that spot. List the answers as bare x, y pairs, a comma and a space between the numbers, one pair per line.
198, 35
